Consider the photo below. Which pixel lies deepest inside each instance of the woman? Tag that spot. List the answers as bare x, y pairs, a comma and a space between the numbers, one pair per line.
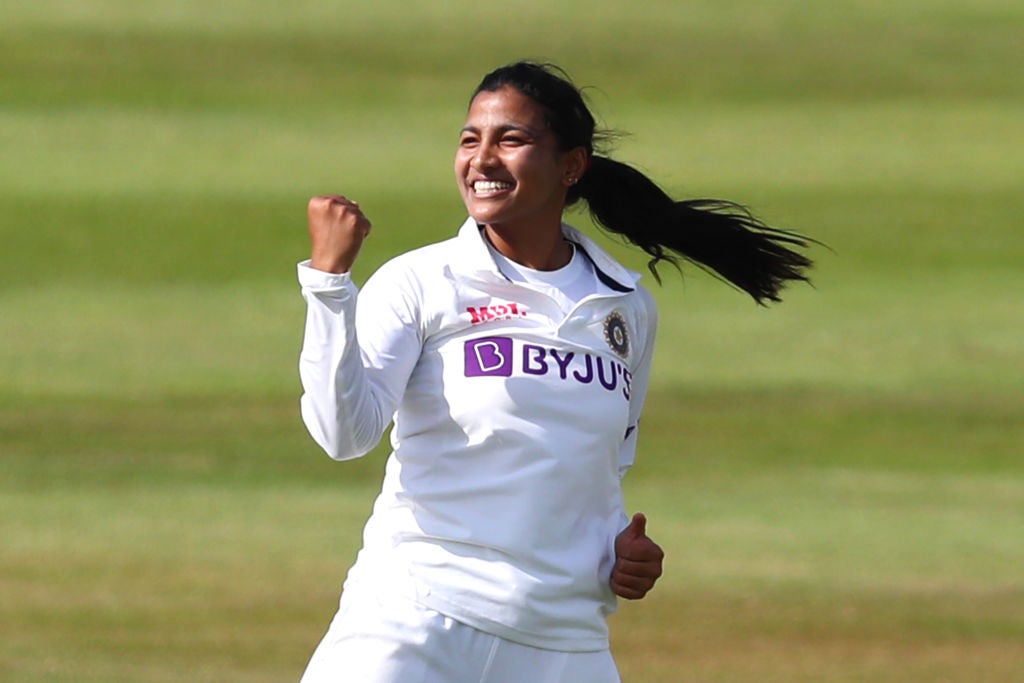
514, 358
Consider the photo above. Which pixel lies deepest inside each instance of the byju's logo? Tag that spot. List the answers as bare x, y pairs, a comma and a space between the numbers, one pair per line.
497, 357
489, 357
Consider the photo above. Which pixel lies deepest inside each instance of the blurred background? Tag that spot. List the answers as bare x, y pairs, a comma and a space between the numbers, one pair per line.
838, 481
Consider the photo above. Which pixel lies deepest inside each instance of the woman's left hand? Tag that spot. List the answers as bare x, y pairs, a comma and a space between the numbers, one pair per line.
638, 561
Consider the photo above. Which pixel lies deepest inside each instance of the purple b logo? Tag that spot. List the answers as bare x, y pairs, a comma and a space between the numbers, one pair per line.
489, 357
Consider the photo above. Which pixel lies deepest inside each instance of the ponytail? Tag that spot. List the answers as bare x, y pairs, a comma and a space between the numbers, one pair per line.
718, 235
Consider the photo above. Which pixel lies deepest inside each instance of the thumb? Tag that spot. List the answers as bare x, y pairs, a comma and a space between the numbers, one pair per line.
637, 526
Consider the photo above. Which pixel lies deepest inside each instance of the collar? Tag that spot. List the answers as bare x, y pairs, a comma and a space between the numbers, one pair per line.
477, 260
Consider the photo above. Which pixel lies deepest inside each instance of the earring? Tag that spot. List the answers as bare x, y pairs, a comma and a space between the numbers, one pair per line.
572, 180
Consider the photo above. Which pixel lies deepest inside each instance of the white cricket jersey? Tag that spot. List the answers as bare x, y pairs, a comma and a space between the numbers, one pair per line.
514, 422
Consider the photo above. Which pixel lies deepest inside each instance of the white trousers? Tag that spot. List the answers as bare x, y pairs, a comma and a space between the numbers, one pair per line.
391, 639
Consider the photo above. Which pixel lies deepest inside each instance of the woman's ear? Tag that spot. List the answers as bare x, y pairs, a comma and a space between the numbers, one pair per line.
575, 165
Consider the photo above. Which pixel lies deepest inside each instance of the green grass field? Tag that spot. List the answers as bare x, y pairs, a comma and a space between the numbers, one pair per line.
838, 481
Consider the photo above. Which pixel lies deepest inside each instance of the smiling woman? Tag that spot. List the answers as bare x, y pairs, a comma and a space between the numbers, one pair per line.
515, 359
514, 177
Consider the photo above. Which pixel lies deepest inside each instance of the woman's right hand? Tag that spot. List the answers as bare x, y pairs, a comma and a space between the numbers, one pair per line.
337, 229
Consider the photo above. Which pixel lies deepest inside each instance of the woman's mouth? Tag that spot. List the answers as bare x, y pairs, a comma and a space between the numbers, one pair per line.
485, 187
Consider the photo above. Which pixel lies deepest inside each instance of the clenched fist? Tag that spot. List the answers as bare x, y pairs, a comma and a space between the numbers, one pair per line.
337, 228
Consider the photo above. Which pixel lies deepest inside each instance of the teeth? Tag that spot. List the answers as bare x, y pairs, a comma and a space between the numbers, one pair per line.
490, 185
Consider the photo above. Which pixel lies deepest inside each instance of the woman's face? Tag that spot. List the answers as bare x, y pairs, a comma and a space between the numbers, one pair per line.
510, 169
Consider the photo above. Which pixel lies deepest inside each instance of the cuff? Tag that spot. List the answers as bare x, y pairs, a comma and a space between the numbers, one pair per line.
318, 281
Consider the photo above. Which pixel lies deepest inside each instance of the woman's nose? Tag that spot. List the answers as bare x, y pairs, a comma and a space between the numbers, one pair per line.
484, 157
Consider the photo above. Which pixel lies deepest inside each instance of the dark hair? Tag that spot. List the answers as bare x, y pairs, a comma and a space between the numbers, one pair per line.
718, 235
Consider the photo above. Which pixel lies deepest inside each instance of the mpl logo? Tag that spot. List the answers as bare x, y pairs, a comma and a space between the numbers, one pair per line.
505, 311
489, 357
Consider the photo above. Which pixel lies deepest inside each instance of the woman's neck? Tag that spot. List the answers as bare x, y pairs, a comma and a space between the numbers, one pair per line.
537, 250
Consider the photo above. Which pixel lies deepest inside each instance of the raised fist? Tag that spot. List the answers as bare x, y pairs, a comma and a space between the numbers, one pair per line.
337, 228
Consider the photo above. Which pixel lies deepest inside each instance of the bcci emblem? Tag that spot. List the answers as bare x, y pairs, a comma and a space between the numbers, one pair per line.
615, 334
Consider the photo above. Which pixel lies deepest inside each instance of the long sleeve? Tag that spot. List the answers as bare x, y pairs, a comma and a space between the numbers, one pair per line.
639, 384
351, 390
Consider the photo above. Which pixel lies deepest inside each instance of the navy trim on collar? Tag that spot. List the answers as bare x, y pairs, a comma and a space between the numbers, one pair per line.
606, 280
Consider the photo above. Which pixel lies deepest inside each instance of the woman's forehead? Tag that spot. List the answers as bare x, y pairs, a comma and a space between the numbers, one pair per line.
505, 107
